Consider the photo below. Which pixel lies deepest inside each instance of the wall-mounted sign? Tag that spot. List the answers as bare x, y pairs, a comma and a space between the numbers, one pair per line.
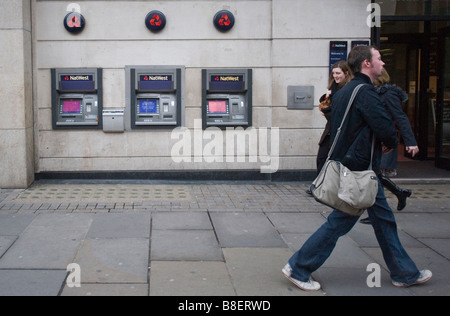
155, 78
224, 20
74, 22
155, 21
77, 78
78, 82
338, 52
152, 82
227, 78
360, 43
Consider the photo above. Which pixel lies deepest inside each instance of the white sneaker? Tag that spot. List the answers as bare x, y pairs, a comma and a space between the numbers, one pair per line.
424, 276
305, 286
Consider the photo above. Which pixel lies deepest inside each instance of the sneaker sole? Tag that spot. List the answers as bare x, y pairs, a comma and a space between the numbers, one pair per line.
293, 281
415, 283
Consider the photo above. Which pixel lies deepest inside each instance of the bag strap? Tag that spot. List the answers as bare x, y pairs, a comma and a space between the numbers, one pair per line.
352, 99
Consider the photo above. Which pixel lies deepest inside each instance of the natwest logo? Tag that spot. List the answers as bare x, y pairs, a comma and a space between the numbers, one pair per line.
156, 78
77, 78
155, 21
224, 20
228, 78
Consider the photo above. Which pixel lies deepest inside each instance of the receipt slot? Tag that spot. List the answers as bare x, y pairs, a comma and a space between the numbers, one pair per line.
227, 97
155, 97
76, 98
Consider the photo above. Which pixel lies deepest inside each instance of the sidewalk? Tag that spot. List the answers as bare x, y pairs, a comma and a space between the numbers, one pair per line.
200, 239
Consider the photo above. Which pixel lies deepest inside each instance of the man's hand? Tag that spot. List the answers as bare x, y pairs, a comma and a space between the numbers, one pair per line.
413, 150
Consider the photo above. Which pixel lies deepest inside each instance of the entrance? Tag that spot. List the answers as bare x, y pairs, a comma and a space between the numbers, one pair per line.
443, 101
415, 44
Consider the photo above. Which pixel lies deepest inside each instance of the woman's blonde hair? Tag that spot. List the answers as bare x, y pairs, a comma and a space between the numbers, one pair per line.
383, 79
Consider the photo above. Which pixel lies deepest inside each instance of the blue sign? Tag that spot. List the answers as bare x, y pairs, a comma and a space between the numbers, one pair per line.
360, 43
338, 52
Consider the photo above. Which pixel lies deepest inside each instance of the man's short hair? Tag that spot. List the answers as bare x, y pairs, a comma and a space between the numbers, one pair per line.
358, 55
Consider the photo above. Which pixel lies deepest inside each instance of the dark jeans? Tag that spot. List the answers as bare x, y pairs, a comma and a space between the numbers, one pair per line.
320, 245
389, 160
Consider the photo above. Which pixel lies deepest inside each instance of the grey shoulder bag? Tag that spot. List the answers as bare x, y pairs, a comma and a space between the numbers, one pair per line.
340, 188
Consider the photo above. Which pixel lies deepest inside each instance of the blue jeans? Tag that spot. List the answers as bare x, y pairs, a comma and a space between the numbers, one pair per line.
389, 160
320, 245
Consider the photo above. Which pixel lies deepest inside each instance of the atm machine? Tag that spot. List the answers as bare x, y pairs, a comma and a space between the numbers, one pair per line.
77, 98
155, 97
227, 97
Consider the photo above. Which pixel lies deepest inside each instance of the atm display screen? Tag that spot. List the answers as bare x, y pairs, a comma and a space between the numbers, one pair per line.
217, 107
148, 106
71, 106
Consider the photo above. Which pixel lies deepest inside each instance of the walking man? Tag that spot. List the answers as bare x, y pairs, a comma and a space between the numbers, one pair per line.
366, 117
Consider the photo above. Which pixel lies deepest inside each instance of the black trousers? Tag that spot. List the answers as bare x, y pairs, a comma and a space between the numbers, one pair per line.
324, 149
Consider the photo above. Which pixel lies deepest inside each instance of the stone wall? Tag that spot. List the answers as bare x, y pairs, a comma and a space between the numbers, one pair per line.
16, 95
285, 42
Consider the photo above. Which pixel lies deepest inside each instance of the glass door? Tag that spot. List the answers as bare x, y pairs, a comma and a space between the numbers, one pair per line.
407, 66
442, 105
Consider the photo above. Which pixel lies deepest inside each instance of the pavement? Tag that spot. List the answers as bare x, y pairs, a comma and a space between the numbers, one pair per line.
149, 238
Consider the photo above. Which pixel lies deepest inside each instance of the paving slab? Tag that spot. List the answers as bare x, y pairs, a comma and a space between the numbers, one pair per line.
353, 282
181, 220
190, 278
107, 290
436, 225
185, 245
257, 272
425, 258
113, 260
236, 230
364, 236
5, 243
31, 282
14, 224
49, 242
300, 223
441, 246
120, 226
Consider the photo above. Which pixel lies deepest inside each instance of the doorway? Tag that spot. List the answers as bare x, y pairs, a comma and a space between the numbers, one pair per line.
442, 104
415, 52
407, 63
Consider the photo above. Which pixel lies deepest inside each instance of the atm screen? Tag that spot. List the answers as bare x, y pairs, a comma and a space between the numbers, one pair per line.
148, 106
71, 106
217, 107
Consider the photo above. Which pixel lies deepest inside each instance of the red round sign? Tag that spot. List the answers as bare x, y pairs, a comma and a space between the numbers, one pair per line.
224, 20
155, 21
74, 22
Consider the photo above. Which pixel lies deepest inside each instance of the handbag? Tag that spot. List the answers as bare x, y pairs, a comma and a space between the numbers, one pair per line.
340, 188
325, 104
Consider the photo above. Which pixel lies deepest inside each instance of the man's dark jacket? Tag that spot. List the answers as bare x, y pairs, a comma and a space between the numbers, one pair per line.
367, 116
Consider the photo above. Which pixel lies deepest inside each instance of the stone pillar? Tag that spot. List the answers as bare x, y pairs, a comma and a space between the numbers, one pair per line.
16, 95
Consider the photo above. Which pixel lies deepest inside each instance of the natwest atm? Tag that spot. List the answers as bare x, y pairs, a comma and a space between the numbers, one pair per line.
227, 97
77, 98
155, 96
